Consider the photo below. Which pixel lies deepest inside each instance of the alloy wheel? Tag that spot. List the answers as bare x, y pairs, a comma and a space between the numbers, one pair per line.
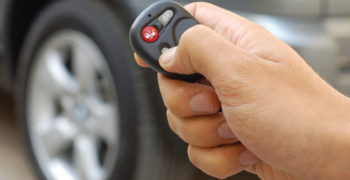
72, 108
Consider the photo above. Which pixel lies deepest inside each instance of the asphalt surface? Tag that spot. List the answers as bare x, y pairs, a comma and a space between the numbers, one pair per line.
13, 162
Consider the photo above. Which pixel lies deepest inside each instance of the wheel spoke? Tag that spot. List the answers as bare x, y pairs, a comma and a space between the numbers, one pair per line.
104, 120
62, 169
84, 67
57, 75
86, 158
57, 135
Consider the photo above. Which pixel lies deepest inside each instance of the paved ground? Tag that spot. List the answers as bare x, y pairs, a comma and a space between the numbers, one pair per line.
13, 164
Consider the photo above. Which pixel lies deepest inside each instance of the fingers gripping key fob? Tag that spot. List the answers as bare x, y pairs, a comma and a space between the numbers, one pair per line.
158, 28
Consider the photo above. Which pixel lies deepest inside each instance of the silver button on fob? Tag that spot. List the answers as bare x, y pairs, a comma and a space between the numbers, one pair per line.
158, 28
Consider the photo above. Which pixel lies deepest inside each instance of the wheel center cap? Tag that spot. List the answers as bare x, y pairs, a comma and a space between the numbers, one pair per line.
80, 112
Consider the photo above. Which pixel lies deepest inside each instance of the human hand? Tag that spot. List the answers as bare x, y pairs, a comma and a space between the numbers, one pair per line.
290, 122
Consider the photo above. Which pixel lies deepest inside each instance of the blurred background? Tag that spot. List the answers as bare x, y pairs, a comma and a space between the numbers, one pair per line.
74, 105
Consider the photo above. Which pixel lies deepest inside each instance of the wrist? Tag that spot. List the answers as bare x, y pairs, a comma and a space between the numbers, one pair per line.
335, 139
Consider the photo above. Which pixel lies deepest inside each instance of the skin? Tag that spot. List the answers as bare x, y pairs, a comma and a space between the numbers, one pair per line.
279, 119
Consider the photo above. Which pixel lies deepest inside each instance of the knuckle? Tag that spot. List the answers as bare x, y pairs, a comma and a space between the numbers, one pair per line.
196, 7
221, 173
245, 64
182, 132
224, 172
254, 29
200, 4
177, 126
191, 156
171, 121
259, 28
214, 169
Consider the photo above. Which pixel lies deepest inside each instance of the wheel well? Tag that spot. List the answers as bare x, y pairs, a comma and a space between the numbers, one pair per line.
20, 17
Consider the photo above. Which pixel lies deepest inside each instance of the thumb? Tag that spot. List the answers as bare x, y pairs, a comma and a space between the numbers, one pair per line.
202, 50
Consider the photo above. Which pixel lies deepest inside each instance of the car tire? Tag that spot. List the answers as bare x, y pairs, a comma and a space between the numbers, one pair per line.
145, 149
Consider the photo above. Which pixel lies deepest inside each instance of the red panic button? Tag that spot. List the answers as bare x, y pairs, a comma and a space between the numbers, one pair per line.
150, 34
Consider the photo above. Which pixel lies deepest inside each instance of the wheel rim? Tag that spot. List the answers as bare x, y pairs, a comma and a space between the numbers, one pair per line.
72, 109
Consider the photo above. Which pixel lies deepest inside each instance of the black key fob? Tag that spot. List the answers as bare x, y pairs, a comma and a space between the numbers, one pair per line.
158, 28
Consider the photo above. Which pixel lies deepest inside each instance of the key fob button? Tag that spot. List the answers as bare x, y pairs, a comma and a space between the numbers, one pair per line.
166, 17
158, 25
150, 34
164, 49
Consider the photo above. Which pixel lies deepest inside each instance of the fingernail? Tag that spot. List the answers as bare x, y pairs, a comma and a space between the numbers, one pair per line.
225, 131
201, 104
248, 158
168, 57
